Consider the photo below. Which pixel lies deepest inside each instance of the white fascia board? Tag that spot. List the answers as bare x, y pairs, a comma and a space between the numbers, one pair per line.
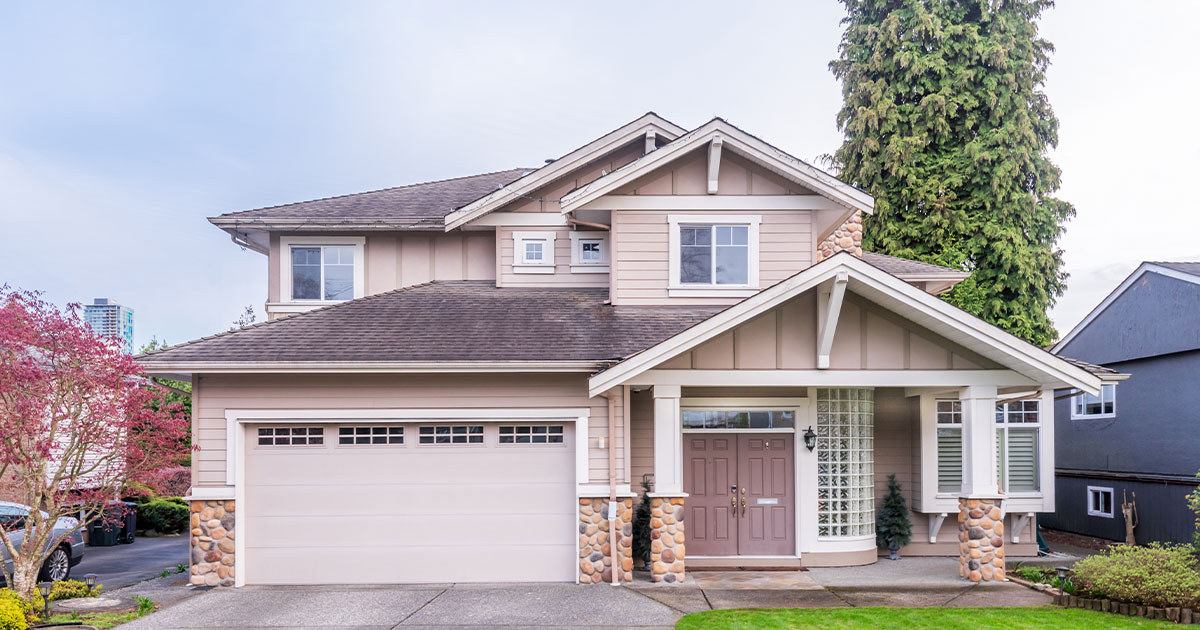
1117, 292
738, 142
713, 202
364, 367
830, 378
629, 133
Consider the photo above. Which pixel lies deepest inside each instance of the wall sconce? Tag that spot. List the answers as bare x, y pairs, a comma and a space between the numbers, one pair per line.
810, 439
600, 442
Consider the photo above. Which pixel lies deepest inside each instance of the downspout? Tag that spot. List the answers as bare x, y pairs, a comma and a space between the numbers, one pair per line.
612, 488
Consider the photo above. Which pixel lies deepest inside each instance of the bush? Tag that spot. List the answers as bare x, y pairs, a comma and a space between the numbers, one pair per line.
165, 515
172, 481
11, 617
1154, 575
26, 610
71, 589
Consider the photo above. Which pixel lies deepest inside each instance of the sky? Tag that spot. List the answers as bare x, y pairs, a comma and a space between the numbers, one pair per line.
123, 125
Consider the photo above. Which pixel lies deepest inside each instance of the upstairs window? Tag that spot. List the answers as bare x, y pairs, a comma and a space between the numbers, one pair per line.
322, 270
713, 253
1102, 406
533, 252
589, 252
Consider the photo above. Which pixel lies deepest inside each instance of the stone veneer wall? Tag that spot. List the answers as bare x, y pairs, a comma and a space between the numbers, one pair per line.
667, 539
595, 540
212, 543
847, 238
980, 540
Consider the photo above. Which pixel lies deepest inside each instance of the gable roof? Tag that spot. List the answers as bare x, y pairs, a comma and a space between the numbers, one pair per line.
610, 141
1185, 271
886, 290
738, 141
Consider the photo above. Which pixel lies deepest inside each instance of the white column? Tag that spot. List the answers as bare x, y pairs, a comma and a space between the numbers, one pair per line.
668, 440
979, 440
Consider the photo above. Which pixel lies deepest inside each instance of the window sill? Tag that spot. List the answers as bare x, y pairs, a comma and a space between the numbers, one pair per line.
589, 268
533, 269
1099, 515
714, 291
1101, 416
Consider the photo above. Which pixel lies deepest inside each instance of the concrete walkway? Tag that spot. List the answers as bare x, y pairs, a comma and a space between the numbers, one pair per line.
911, 582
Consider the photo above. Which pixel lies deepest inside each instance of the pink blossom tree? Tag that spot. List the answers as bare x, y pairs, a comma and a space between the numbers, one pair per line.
78, 423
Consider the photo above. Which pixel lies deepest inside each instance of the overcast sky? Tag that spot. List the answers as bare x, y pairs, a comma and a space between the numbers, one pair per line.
123, 125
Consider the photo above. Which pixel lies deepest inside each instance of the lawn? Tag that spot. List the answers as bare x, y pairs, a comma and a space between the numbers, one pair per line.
913, 619
99, 620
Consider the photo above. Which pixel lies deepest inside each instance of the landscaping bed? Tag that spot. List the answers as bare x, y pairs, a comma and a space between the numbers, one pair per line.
911, 619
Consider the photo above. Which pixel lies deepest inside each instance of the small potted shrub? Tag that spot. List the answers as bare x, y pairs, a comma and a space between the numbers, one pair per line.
641, 529
893, 530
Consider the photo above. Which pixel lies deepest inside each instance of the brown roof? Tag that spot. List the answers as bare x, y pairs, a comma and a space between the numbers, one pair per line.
415, 205
901, 266
449, 321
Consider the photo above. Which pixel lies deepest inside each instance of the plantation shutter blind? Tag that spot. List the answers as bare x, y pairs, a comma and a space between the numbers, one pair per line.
949, 459
1022, 460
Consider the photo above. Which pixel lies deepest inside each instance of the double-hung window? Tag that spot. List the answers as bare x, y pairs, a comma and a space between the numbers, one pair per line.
713, 252
322, 270
1089, 406
1017, 427
949, 446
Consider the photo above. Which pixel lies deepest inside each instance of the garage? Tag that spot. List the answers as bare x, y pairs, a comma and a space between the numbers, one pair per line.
408, 502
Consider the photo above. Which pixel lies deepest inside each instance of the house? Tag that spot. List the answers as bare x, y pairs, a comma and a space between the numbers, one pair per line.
467, 380
1142, 439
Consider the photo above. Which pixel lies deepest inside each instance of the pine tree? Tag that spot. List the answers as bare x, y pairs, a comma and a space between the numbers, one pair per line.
946, 124
641, 526
892, 527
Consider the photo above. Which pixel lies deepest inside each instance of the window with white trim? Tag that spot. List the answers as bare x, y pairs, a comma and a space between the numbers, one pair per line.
949, 446
739, 418
451, 434
291, 436
1017, 465
1100, 501
589, 252
533, 252
323, 273
1102, 406
531, 434
375, 434
845, 462
713, 253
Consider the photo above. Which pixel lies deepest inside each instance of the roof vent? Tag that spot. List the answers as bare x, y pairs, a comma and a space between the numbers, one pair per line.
550, 160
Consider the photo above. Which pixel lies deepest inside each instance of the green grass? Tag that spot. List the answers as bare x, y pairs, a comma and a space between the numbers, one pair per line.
913, 619
106, 620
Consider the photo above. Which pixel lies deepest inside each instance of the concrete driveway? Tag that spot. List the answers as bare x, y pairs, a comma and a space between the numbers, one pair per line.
122, 565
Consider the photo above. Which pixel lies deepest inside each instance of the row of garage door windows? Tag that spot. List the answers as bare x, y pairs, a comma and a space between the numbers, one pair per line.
394, 435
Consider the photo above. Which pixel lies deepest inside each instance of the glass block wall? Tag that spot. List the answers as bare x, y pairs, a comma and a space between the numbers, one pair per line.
845, 462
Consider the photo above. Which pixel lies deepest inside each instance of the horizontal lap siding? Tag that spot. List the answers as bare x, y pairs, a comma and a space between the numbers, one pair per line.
213, 394
562, 276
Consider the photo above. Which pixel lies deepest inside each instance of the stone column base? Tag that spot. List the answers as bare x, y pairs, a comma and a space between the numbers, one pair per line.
981, 539
212, 556
595, 540
667, 539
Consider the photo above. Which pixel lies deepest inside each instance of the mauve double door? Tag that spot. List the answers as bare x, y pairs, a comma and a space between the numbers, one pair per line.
741, 494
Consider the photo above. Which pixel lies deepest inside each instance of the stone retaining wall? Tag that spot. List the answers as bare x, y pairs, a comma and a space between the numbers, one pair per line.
980, 540
595, 540
667, 539
213, 546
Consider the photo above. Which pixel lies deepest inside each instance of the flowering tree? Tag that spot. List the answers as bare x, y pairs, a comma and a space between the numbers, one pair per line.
78, 423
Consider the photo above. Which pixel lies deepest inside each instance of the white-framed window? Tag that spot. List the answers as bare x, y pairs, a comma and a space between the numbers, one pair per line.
321, 269
531, 434
371, 435
739, 418
589, 252
1100, 501
533, 252
451, 434
1017, 426
949, 446
1102, 406
291, 436
845, 462
713, 255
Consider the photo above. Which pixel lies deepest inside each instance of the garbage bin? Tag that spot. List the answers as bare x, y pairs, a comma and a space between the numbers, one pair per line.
129, 523
102, 534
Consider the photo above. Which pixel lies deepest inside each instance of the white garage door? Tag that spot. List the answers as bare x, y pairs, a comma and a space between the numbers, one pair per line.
386, 503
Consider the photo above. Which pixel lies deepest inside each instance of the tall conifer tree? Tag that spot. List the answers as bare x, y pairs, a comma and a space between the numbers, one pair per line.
946, 124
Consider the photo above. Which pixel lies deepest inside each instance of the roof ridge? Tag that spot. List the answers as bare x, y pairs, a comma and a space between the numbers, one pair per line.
377, 190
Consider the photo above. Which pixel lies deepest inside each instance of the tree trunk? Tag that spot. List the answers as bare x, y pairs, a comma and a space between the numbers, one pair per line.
25, 578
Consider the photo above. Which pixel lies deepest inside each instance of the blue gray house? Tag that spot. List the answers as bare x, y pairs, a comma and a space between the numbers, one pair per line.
1142, 437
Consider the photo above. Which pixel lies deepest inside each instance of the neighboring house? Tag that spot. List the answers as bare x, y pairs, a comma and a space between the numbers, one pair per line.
1141, 438
458, 376
111, 320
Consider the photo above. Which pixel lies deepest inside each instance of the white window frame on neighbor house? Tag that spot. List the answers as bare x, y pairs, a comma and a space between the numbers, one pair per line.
287, 243
676, 288
1092, 493
521, 264
1079, 404
578, 264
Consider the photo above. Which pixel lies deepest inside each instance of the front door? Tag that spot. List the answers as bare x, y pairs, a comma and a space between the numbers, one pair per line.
741, 489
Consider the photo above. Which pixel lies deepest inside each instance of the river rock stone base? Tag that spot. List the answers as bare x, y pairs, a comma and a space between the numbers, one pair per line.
847, 238
595, 541
213, 543
980, 540
667, 539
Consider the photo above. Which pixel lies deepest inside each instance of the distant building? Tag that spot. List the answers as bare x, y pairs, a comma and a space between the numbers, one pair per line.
111, 320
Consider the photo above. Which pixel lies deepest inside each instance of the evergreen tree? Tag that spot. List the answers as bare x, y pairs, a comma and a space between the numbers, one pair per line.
641, 526
946, 124
892, 527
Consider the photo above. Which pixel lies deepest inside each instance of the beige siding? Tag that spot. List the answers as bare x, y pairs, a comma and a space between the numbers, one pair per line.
213, 394
562, 276
689, 176
545, 199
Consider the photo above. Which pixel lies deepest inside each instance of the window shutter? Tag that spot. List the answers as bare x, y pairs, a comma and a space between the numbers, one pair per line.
949, 459
998, 465
1022, 460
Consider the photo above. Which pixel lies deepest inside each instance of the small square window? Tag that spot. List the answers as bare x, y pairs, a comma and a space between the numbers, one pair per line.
533, 251
1100, 501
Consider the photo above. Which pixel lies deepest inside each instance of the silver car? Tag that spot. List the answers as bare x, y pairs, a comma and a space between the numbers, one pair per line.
68, 550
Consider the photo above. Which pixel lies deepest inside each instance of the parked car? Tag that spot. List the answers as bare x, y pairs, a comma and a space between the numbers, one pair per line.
68, 549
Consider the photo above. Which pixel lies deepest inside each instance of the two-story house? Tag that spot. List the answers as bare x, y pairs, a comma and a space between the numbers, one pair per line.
467, 380
1139, 443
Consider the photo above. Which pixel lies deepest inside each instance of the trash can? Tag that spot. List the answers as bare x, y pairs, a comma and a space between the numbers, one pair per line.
129, 523
102, 534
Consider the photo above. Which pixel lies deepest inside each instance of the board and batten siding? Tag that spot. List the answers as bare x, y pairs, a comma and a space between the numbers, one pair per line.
562, 276
214, 393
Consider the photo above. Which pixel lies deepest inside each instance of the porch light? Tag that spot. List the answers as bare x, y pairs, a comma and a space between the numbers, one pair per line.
810, 439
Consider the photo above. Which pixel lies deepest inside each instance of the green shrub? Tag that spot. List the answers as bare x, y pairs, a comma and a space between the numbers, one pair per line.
71, 589
1033, 574
1154, 575
11, 603
166, 515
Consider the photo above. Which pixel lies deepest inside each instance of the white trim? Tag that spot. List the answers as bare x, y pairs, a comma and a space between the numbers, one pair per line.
668, 440
521, 219
1117, 292
578, 265
714, 164
546, 264
675, 288
579, 157
1112, 502
935, 525
1095, 416
286, 243
829, 308
714, 202
714, 292
360, 367
827, 378
211, 493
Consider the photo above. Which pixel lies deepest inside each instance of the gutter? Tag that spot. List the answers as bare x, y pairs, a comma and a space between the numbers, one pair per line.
356, 367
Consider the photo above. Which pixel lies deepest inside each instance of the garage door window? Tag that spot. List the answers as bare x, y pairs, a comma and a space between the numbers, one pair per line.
452, 434
358, 436
531, 434
291, 436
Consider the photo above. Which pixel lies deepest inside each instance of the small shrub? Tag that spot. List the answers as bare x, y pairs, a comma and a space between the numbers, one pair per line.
641, 527
1193, 502
27, 610
145, 605
1154, 575
166, 515
71, 589
1033, 574
11, 616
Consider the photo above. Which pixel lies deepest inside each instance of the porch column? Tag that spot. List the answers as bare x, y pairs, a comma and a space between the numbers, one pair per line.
668, 441
980, 512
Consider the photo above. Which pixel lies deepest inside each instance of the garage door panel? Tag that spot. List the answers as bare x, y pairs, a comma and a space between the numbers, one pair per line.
453, 464
401, 498
431, 529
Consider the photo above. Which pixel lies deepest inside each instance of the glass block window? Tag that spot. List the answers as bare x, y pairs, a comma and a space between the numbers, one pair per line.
738, 419
291, 436
358, 436
451, 434
845, 462
531, 434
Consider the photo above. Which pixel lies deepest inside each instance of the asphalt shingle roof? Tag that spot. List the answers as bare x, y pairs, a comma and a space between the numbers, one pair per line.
900, 266
1192, 268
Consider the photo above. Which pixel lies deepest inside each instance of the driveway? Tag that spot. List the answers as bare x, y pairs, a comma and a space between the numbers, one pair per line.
122, 565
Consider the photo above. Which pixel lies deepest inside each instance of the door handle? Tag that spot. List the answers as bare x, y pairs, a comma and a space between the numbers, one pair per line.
733, 504
743, 506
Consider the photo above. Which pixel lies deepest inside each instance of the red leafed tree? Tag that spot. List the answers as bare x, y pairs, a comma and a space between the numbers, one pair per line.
78, 423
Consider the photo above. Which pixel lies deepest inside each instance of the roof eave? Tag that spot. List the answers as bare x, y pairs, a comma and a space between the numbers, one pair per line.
182, 367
